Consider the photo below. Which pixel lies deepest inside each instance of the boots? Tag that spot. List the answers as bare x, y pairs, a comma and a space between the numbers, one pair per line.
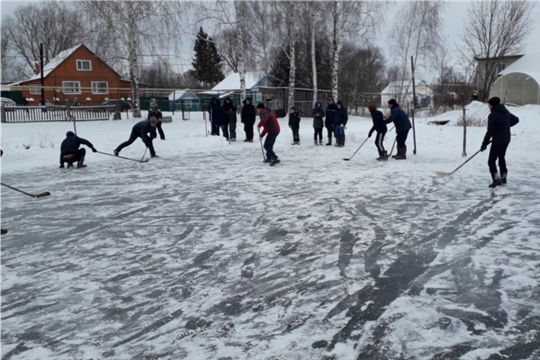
496, 180
503, 178
320, 141
384, 156
402, 153
80, 163
329, 141
315, 142
343, 141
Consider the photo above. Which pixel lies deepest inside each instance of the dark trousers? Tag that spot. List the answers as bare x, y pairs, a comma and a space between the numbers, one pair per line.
295, 134
401, 138
134, 135
379, 142
269, 146
232, 130
224, 131
248, 128
160, 130
330, 130
318, 132
497, 151
76, 157
215, 128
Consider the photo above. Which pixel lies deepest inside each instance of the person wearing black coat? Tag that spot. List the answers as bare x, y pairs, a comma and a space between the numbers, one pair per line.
217, 116
248, 117
380, 127
141, 129
402, 124
331, 110
318, 121
230, 111
340, 120
156, 113
294, 124
70, 152
498, 133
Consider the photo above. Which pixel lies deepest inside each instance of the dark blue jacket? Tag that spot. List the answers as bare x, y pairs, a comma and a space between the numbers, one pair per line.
318, 121
230, 110
341, 116
219, 117
378, 123
330, 114
143, 128
249, 114
499, 123
71, 144
400, 119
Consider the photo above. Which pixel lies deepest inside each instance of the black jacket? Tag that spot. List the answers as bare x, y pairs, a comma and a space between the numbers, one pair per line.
400, 119
378, 123
71, 144
143, 128
155, 112
331, 111
218, 115
341, 116
230, 110
294, 120
249, 114
499, 123
318, 115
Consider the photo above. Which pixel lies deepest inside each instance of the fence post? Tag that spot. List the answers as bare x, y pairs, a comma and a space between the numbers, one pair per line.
464, 153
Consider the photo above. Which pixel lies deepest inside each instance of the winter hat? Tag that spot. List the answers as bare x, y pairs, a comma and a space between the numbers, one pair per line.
372, 107
153, 120
261, 106
393, 102
494, 101
331, 99
70, 133
293, 107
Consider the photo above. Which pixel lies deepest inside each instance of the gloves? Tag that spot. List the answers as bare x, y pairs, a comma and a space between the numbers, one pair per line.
484, 147
369, 135
94, 150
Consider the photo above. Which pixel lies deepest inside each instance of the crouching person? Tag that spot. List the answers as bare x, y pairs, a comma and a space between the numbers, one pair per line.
70, 152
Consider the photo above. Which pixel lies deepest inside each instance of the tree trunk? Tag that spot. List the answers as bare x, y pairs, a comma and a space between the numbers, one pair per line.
239, 9
292, 54
313, 59
337, 44
133, 66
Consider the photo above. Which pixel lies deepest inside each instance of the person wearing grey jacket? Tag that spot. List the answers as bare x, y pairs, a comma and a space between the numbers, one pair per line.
318, 122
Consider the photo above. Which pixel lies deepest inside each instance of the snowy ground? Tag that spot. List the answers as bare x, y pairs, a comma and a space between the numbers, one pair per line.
206, 253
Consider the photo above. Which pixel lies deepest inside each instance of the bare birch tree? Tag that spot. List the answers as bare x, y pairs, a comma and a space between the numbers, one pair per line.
416, 33
494, 29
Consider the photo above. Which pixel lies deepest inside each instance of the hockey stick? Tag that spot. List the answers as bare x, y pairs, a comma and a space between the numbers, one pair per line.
122, 157
260, 140
144, 154
394, 144
35, 196
442, 173
362, 144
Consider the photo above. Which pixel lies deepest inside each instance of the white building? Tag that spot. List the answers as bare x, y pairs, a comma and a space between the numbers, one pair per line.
401, 91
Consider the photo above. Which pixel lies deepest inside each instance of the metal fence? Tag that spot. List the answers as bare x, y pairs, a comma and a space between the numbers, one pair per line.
25, 114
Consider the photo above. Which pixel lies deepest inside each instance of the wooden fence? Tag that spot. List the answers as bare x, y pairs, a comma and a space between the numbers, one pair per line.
26, 114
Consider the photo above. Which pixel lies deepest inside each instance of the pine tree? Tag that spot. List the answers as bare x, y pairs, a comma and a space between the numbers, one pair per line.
208, 67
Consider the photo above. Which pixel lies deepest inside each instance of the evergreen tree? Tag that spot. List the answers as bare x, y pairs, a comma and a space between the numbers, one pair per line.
208, 67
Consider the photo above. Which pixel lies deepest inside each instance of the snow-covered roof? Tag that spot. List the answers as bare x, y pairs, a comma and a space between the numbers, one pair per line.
182, 95
527, 64
57, 60
232, 82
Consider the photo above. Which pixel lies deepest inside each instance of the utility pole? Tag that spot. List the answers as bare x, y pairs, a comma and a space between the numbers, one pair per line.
42, 78
414, 105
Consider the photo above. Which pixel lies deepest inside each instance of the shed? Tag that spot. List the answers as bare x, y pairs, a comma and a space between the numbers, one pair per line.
519, 83
184, 100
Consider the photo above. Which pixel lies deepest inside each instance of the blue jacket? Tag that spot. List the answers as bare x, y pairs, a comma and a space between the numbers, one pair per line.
330, 114
499, 123
71, 144
341, 116
143, 128
400, 119
219, 117
378, 123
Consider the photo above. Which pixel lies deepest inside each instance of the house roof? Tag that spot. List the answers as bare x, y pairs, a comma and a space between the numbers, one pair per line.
232, 82
502, 57
401, 85
182, 95
527, 64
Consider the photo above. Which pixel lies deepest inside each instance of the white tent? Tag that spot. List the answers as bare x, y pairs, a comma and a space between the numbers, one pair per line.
519, 83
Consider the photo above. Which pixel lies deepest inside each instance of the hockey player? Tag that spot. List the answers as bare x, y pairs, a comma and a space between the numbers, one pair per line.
141, 129
271, 129
70, 152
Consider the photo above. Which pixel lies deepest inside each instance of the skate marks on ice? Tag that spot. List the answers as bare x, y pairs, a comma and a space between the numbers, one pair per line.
242, 268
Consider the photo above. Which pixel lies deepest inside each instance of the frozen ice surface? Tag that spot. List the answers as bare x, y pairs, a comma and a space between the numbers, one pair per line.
207, 253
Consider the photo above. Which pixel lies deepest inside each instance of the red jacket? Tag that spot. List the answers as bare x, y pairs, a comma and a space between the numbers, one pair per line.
268, 122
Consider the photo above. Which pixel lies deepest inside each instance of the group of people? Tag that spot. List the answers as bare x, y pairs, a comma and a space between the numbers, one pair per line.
334, 118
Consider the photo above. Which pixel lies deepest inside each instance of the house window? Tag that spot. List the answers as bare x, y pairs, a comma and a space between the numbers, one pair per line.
500, 67
35, 89
71, 87
100, 87
84, 65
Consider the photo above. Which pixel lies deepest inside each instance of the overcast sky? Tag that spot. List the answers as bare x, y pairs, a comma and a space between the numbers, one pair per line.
453, 16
